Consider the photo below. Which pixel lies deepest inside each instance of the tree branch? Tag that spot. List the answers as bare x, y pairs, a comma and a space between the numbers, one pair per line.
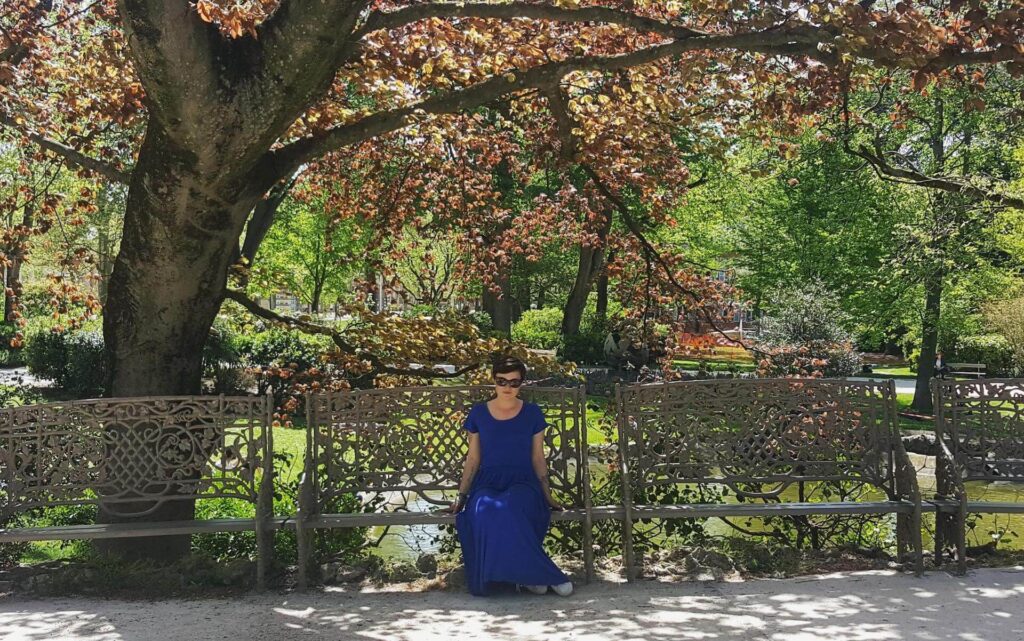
379, 20
918, 179
73, 156
803, 40
261, 220
650, 250
312, 328
175, 56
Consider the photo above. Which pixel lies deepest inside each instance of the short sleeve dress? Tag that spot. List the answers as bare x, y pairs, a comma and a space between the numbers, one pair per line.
502, 528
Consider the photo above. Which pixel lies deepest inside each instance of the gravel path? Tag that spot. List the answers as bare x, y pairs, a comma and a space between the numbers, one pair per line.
861, 606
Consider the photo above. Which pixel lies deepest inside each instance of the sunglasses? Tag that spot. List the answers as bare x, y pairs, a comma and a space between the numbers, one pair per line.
508, 382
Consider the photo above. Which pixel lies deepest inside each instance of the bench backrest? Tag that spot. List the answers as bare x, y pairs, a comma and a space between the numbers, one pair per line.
411, 440
131, 455
758, 436
982, 423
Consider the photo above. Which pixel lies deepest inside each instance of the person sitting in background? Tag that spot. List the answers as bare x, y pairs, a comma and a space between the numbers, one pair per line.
942, 368
613, 349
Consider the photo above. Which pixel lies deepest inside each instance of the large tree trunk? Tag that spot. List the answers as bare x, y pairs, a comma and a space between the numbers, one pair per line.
165, 291
929, 344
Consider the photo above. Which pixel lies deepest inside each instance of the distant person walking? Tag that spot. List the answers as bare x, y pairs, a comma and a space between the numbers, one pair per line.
942, 368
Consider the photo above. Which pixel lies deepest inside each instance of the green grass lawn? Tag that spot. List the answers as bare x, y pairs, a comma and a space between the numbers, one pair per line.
894, 372
715, 366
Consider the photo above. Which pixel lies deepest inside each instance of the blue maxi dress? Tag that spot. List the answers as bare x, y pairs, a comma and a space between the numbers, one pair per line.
501, 529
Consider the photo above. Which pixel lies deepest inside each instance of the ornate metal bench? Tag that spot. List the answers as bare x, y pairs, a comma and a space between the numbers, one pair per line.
759, 438
979, 427
131, 456
410, 443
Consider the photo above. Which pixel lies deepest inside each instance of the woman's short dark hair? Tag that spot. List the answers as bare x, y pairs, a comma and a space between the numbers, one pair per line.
507, 365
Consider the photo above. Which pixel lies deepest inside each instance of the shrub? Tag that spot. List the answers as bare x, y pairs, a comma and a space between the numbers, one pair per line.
588, 345
222, 363
483, 322
805, 333
993, 350
1005, 318
73, 360
18, 395
266, 351
76, 362
584, 348
539, 328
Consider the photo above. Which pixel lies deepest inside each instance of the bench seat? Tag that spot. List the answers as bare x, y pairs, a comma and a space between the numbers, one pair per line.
415, 518
951, 506
129, 530
705, 510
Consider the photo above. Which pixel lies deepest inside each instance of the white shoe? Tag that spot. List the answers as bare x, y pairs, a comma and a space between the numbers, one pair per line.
537, 589
563, 589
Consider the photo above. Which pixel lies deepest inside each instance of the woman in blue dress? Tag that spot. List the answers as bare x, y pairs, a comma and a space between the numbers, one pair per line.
504, 505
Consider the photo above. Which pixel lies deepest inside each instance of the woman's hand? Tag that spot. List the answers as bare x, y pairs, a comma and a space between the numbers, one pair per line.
458, 504
555, 505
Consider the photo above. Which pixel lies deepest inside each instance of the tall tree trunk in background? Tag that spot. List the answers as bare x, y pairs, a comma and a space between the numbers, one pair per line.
499, 307
318, 291
934, 276
12, 277
929, 344
521, 302
602, 291
104, 262
591, 263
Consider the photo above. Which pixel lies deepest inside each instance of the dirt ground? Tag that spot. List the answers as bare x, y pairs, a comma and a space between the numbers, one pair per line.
854, 606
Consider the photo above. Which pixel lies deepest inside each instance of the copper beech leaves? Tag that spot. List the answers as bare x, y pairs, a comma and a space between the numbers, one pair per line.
503, 172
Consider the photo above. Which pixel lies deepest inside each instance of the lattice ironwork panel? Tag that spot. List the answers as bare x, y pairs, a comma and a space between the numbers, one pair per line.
983, 422
758, 433
412, 439
131, 455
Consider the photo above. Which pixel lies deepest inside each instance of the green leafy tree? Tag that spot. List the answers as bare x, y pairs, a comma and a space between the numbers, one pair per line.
308, 254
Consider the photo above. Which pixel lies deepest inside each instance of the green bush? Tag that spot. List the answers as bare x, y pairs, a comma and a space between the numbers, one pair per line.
991, 349
584, 348
18, 395
281, 347
805, 331
539, 328
222, 362
76, 361
277, 347
483, 322
73, 360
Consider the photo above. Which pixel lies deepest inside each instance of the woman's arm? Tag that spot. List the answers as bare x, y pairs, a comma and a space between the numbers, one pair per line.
540, 466
469, 468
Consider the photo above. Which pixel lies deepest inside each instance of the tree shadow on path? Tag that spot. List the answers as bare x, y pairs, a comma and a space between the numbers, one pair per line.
875, 606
